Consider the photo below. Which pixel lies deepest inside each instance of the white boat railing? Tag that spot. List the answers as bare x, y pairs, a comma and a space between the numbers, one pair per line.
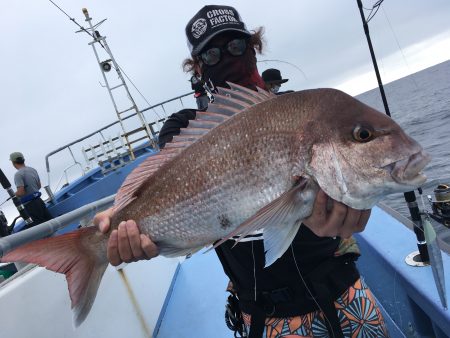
65, 176
105, 145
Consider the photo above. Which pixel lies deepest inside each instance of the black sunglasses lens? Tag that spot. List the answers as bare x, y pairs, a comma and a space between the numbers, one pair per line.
211, 56
236, 47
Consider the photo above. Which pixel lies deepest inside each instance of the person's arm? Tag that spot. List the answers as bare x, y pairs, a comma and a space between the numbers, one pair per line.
173, 124
20, 191
126, 244
20, 184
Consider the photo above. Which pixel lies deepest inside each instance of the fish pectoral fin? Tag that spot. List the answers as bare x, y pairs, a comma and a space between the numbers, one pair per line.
281, 215
278, 238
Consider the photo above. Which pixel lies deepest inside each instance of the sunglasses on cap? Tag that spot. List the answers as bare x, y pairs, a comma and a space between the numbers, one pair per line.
213, 55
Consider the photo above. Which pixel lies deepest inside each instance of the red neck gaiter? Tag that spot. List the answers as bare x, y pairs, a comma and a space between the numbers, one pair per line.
241, 70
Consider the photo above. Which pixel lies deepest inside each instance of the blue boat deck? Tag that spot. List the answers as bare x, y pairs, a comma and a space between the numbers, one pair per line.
196, 304
407, 295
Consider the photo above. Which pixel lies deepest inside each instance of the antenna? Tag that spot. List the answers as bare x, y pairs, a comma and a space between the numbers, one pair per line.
106, 66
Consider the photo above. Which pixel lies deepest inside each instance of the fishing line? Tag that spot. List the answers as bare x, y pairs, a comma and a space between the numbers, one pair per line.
309, 291
142, 95
395, 299
289, 63
254, 270
400, 48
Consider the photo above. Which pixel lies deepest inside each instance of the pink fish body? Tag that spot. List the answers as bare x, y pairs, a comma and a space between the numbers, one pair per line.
252, 161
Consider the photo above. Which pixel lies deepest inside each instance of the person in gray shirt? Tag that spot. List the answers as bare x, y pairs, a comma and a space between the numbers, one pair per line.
28, 185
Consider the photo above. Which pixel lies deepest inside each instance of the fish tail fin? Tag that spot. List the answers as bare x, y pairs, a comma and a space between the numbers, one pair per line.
78, 255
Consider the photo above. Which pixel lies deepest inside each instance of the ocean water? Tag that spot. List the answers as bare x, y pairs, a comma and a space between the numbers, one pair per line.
420, 103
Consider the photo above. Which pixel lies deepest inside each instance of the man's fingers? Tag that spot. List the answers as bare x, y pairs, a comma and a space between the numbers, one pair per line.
355, 221
134, 240
365, 215
102, 220
350, 223
112, 249
336, 218
320, 204
318, 213
150, 249
124, 247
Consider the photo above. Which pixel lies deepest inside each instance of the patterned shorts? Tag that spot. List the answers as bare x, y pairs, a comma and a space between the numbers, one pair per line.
357, 310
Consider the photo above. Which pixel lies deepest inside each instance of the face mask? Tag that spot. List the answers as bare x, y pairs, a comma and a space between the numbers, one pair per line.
275, 89
237, 69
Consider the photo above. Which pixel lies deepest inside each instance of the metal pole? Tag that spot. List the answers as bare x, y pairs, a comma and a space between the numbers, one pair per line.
48, 228
410, 196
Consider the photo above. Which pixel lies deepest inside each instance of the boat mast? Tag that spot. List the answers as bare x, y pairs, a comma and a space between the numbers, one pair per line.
105, 66
410, 196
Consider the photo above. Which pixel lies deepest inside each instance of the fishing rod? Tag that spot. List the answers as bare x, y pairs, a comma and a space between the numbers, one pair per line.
20, 208
410, 196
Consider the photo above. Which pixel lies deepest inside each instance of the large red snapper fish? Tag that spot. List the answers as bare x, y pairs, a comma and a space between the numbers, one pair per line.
252, 161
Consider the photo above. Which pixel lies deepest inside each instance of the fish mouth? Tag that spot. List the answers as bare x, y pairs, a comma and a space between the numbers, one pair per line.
408, 171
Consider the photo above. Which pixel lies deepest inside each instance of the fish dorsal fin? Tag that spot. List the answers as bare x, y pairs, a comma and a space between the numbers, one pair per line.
140, 174
227, 103
238, 91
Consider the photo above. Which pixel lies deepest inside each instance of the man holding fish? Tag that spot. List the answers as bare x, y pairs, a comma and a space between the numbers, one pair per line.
277, 184
322, 249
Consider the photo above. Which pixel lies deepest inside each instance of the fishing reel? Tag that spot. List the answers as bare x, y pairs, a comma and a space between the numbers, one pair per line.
441, 204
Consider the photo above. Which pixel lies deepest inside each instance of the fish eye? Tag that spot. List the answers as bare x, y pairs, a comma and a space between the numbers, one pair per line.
362, 134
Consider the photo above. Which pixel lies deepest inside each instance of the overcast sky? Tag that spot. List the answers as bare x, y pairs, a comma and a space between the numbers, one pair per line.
51, 93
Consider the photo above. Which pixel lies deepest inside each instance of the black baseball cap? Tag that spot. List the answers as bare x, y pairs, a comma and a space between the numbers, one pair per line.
210, 21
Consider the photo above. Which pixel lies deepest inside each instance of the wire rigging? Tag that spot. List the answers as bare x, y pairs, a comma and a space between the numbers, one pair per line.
373, 10
93, 36
376, 6
72, 19
399, 47
142, 95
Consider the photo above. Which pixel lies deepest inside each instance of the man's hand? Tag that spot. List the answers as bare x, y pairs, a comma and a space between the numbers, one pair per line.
340, 220
126, 244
